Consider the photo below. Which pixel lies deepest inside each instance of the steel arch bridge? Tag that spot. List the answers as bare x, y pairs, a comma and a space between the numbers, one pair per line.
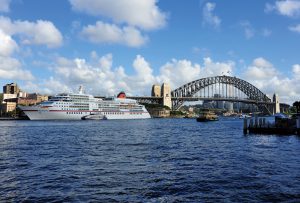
187, 91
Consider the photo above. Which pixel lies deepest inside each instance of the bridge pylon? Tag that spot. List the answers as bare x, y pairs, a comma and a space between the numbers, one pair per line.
276, 108
166, 95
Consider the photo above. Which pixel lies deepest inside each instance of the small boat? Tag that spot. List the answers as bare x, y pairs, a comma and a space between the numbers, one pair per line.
242, 116
207, 115
94, 117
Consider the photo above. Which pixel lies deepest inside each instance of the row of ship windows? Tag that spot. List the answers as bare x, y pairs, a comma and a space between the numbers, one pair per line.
87, 108
113, 113
120, 113
78, 108
100, 105
74, 112
107, 113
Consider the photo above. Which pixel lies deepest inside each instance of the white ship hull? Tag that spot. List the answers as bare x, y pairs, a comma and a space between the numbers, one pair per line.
35, 113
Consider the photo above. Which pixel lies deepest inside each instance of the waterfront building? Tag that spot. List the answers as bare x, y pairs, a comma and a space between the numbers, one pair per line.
9, 96
37, 97
11, 88
220, 104
208, 104
229, 107
284, 107
8, 107
22, 95
13, 96
159, 112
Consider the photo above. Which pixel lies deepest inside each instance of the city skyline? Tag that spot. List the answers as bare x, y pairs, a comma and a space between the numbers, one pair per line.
115, 45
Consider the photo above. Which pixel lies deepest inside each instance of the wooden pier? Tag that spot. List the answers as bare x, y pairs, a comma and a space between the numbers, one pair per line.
281, 126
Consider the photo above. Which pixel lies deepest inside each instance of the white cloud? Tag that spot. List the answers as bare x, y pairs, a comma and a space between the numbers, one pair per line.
10, 68
269, 80
248, 29
290, 8
4, 5
179, 72
47, 86
296, 71
38, 33
8, 45
143, 14
99, 77
106, 62
260, 69
143, 70
112, 34
209, 17
266, 32
212, 68
295, 28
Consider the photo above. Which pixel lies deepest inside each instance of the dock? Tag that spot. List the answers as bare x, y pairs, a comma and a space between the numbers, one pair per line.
281, 126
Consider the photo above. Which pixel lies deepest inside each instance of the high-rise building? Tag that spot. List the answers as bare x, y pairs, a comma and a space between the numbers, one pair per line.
229, 106
11, 88
220, 104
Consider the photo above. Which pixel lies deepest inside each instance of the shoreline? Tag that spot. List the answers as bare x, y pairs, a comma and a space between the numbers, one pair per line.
11, 118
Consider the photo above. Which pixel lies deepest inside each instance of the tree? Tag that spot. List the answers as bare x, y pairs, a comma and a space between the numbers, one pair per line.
296, 104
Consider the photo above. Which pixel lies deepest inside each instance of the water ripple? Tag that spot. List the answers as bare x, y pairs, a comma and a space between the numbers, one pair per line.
157, 160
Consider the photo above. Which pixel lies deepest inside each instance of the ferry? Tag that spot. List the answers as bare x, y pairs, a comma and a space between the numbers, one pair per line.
207, 115
70, 106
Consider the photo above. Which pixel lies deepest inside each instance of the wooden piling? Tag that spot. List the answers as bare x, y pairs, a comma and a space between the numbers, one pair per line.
256, 121
298, 126
245, 126
259, 122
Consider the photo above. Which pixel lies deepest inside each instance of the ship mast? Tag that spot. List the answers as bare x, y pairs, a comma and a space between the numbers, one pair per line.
80, 90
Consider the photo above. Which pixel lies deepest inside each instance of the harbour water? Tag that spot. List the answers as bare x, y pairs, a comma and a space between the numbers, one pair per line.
154, 160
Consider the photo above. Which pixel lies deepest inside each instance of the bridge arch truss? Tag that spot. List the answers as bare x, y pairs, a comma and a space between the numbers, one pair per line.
191, 88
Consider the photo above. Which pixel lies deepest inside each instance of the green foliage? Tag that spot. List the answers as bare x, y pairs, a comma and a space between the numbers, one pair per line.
152, 106
292, 110
177, 113
1, 97
296, 104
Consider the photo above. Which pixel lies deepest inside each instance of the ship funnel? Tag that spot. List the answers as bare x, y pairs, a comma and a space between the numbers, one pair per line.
121, 95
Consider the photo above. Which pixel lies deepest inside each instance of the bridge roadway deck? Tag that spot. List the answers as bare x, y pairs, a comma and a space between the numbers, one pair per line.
221, 99
198, 99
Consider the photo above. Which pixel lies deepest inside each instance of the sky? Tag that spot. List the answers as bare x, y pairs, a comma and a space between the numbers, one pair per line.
108, 46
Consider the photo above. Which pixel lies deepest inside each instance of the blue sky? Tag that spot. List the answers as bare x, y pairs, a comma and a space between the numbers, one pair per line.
51, 46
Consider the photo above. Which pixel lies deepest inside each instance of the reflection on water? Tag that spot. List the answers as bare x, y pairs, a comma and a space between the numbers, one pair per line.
155, 160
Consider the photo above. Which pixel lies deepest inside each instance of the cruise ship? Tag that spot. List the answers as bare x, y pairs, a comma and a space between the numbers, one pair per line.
80, 106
